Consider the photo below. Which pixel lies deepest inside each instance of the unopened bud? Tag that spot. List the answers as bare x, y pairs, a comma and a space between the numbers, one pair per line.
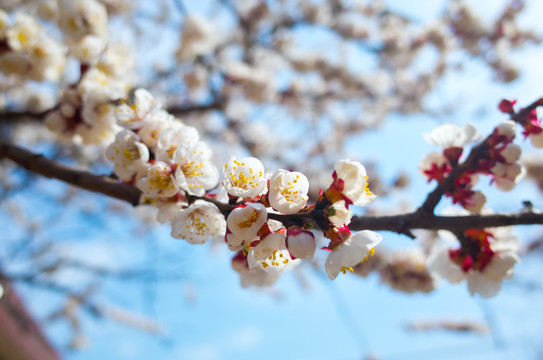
507, 129
506, 106
511, 153
301, 243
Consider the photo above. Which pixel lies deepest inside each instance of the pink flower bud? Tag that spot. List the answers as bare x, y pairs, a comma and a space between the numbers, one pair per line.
301, 243
506, 106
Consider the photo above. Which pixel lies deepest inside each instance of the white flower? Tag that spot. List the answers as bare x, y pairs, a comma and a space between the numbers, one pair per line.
353, 251
245, 221
132, 115
244, 178
511, 153
507, 129
355, 181
506, 176
451, 135
198, 37
128, 154
236, 243
152, 129
252, 277
24, 32
339, 215
12, 63
195, 173
201, 221
4, 23
168, 209
31, 53
47, 59
492, 258
96, 134
158, 181
278, 261
268, 245
271, 254
257, 84
301, 243
117, 60
434, 166
88, 48
288, 191
174, 137
475, 203
84, 23
536, 140
97, 111
79, 18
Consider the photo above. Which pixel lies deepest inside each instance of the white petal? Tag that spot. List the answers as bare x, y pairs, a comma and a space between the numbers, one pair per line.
483, 286
439, 264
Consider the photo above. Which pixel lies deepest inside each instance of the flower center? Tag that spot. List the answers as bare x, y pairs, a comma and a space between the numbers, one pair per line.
475, 253
131, 154
277, 259
160, 180
249, 222
242, 180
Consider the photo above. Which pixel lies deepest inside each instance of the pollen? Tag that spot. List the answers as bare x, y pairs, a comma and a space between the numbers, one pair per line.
249, 222
22, 38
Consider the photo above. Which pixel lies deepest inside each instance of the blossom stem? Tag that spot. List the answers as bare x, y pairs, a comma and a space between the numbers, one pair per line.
402, 224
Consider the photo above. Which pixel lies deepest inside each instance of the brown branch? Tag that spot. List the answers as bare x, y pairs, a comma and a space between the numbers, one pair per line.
405, 222
184, 110
82, 179
18, 116
522, 113
402, 224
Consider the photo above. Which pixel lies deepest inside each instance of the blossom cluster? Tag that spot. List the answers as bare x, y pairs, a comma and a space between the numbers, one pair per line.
497, 158
263, 216
26, 51
265, 246
85, 112
485, 258
533, 129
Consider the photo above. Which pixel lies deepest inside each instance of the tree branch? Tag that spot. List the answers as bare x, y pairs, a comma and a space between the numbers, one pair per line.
447, 183
184, 110
401, 224
18, 116
404, 222
82, 179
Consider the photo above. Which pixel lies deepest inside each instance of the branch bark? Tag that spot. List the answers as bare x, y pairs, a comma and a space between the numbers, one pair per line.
83, 179
402, 224
18, 116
